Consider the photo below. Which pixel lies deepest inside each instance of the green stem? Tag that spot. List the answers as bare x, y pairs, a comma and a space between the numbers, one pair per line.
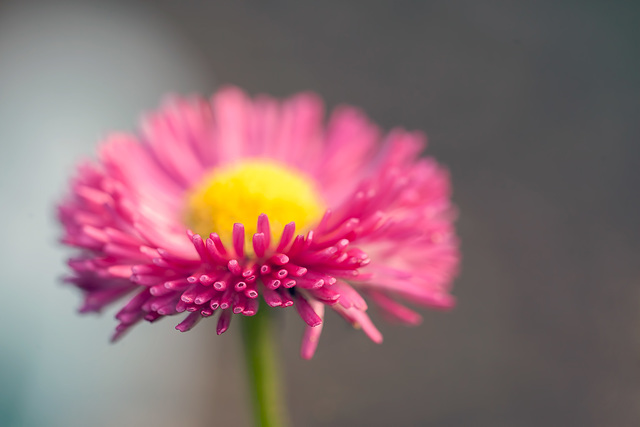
262, 364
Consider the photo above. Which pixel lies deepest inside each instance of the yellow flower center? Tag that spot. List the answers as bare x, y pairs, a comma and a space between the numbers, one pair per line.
242, 191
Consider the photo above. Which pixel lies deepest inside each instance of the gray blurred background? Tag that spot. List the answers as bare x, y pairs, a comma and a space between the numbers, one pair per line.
534, 107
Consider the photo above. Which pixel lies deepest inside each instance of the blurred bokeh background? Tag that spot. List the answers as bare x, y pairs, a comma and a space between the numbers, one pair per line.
534, 106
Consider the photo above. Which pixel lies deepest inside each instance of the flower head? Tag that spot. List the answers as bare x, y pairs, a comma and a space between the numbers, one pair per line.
218, 204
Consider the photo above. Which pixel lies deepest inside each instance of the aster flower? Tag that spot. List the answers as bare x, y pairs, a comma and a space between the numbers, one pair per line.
218, 204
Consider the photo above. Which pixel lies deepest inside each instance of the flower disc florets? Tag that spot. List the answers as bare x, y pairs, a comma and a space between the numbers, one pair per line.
218, 204
239, 193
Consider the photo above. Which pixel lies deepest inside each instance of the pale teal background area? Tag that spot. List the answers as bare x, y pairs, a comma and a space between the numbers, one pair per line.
533, 105
68, 75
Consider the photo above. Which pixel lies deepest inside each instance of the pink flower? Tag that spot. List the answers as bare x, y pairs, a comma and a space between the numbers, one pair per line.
283, 208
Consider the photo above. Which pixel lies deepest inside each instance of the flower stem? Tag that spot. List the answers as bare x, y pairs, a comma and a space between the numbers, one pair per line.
264, 375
